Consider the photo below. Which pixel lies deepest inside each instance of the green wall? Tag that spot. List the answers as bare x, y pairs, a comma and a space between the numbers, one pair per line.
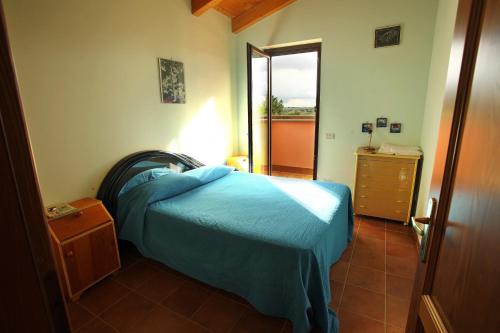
358, 82
88, 77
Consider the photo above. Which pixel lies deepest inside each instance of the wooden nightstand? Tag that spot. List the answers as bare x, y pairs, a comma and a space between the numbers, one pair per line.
85, 246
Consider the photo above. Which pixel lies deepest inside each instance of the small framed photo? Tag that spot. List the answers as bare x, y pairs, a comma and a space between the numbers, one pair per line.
387, 36
381, 122
396, 128
366, 127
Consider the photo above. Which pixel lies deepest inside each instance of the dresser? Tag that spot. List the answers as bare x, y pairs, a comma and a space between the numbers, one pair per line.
85, 246
385, 185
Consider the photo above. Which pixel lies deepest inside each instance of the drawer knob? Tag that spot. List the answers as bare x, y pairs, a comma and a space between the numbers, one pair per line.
362, 206
363, 196
363, 186
70, 254
399, 201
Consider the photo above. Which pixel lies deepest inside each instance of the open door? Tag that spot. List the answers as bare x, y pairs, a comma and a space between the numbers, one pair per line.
457, 285
259, 110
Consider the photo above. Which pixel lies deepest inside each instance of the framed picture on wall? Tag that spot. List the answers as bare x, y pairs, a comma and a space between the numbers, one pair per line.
172, 85
387, 36
366, 127
395, 128
381, 122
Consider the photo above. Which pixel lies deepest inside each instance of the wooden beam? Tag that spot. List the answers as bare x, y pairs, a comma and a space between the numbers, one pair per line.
257, 13
199, 7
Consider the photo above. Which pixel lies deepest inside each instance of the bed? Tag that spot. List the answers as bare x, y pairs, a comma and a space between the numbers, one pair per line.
269, 240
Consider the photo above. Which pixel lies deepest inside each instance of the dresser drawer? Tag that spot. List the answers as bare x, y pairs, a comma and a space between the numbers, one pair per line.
397, 196
384, 174
382, 207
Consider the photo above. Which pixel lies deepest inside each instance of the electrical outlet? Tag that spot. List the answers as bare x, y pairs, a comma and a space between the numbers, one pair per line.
330, 136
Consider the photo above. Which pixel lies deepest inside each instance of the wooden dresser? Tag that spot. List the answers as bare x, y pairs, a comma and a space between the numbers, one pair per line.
85, 246
385, 185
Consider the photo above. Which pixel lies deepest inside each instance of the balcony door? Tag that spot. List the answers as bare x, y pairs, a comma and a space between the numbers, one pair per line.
259, 110
283, 110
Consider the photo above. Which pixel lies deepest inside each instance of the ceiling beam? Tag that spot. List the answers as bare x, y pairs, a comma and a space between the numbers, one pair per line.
199, 7
257, 13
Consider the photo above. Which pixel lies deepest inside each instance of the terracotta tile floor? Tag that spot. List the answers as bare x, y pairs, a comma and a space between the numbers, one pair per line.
292, 175
371, 287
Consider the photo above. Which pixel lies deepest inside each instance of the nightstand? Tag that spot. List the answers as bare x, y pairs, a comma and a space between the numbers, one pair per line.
85, 246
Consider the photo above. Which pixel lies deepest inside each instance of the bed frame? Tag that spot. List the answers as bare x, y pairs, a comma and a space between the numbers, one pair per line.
128, 167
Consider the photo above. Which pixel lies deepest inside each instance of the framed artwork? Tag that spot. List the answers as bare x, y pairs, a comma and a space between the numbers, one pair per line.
388, 36
172, 85
381, 122
366, 127
395, 128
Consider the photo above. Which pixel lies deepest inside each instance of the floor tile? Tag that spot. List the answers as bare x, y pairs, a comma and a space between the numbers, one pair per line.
129, 255
253, 321
402, 250
404, 267
367, 278
219, 313
338, 271
78, 316
371, 232
336, 289
160, 286
399, 286
369, 243
368, 222
368, 258
397, 311
363, 302
187, 298
101, 296
398, 226
136, 275
346, 255
394, 329
354, 323
162, 320
399, 237
127, 312
96, 326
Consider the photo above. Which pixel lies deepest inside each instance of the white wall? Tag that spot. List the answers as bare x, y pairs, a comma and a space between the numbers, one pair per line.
443, 35
358, 82
88, 78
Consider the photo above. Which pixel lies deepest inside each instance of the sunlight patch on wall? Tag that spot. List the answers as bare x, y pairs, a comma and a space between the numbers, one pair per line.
205, 137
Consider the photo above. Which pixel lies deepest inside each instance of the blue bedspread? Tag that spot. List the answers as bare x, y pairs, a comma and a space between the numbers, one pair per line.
270, 240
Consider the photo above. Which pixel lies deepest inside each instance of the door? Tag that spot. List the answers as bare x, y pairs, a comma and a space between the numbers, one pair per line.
31, 299
259, 110
295, 109
457, 289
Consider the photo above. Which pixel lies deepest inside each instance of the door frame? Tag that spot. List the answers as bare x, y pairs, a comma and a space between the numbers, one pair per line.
279, 51
250, 49
423, 312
